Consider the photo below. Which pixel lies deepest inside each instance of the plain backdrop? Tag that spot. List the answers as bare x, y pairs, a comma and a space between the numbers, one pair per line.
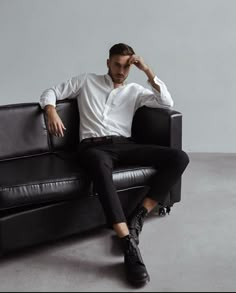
190, 45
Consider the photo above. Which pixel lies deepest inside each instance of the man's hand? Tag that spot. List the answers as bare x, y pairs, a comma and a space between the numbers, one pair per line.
55, 125
138, 62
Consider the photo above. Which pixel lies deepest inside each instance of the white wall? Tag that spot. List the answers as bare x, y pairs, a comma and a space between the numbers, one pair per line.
190, 45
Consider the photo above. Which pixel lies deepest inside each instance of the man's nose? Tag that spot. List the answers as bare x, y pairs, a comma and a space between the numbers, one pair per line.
121, 71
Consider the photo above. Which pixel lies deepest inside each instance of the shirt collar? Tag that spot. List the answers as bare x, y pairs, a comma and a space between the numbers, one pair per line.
110, 82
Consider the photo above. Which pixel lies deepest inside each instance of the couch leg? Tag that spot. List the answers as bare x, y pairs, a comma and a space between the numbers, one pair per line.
163, 211
168, 209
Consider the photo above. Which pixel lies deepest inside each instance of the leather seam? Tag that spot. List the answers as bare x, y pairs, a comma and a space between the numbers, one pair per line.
34, 184
62, 181
24, 157
133, 169
129, 188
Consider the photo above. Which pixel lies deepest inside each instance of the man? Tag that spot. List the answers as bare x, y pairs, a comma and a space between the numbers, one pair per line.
107, 105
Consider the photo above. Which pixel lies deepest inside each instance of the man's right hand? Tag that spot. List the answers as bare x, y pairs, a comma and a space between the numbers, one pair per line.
55, 125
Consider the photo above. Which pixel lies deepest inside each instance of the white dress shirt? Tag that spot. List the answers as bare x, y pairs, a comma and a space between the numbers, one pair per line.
105, 110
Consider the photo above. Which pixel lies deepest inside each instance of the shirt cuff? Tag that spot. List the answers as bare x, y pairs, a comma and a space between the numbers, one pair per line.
47, 98
158, 82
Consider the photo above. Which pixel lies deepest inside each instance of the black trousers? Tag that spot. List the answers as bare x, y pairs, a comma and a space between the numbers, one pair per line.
100, 158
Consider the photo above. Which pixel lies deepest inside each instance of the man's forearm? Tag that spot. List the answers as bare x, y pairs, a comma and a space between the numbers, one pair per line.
150, 74
140, 64
49, 109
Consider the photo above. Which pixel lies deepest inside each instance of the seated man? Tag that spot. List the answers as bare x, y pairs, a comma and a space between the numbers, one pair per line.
107, 105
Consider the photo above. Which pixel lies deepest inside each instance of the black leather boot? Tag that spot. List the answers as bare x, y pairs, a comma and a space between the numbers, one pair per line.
135, 269
136, 221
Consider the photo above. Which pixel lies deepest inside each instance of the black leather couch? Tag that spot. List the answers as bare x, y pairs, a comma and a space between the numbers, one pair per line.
45, 194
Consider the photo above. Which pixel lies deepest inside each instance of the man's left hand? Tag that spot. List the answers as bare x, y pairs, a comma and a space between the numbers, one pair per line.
138, 62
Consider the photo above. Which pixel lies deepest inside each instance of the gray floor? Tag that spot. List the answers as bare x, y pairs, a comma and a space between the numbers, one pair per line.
192, 249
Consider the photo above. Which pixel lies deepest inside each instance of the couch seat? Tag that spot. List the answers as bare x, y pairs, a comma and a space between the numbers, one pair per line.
49, 177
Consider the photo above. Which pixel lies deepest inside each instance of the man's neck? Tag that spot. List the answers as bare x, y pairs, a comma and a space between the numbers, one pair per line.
116, 85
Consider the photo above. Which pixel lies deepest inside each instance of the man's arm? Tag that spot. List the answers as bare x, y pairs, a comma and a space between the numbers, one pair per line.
48, 99
160, 94
55, 124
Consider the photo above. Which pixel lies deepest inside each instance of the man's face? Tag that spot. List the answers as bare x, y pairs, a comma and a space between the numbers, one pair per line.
118, 68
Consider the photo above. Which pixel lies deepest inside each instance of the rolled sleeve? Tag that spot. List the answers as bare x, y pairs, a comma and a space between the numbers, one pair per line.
66, 89
48, 97
164, 97
153, 97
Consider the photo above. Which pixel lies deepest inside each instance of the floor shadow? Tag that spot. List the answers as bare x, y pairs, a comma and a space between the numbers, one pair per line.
99, 268
116, 247
50, 245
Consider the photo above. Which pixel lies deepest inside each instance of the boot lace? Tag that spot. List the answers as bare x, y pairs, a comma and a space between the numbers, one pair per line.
132, 254
138, 221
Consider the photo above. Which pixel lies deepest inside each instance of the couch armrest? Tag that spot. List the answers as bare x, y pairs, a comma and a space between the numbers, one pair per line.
160, 126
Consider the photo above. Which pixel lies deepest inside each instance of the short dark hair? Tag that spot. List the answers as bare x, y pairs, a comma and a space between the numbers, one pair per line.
121, 49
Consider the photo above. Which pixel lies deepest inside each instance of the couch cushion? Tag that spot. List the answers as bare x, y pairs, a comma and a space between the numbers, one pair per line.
51, 177
22, 131
129, 177
39, 179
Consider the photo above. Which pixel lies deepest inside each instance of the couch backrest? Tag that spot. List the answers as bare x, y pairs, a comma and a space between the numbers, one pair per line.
23, 130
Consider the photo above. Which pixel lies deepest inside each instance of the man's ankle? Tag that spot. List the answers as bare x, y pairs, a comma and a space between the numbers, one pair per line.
121, 229
149, 204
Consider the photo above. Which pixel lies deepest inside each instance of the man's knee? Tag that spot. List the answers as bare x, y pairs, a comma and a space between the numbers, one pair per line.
181, 158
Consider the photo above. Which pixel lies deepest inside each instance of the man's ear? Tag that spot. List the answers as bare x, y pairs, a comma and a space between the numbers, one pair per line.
108, 63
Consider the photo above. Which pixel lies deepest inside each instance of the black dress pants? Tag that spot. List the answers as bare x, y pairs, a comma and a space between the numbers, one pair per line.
99, 159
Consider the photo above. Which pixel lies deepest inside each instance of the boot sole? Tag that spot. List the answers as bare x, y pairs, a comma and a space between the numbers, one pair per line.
139, 282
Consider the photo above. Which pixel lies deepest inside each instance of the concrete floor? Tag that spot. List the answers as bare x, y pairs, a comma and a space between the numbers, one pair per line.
192, 249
